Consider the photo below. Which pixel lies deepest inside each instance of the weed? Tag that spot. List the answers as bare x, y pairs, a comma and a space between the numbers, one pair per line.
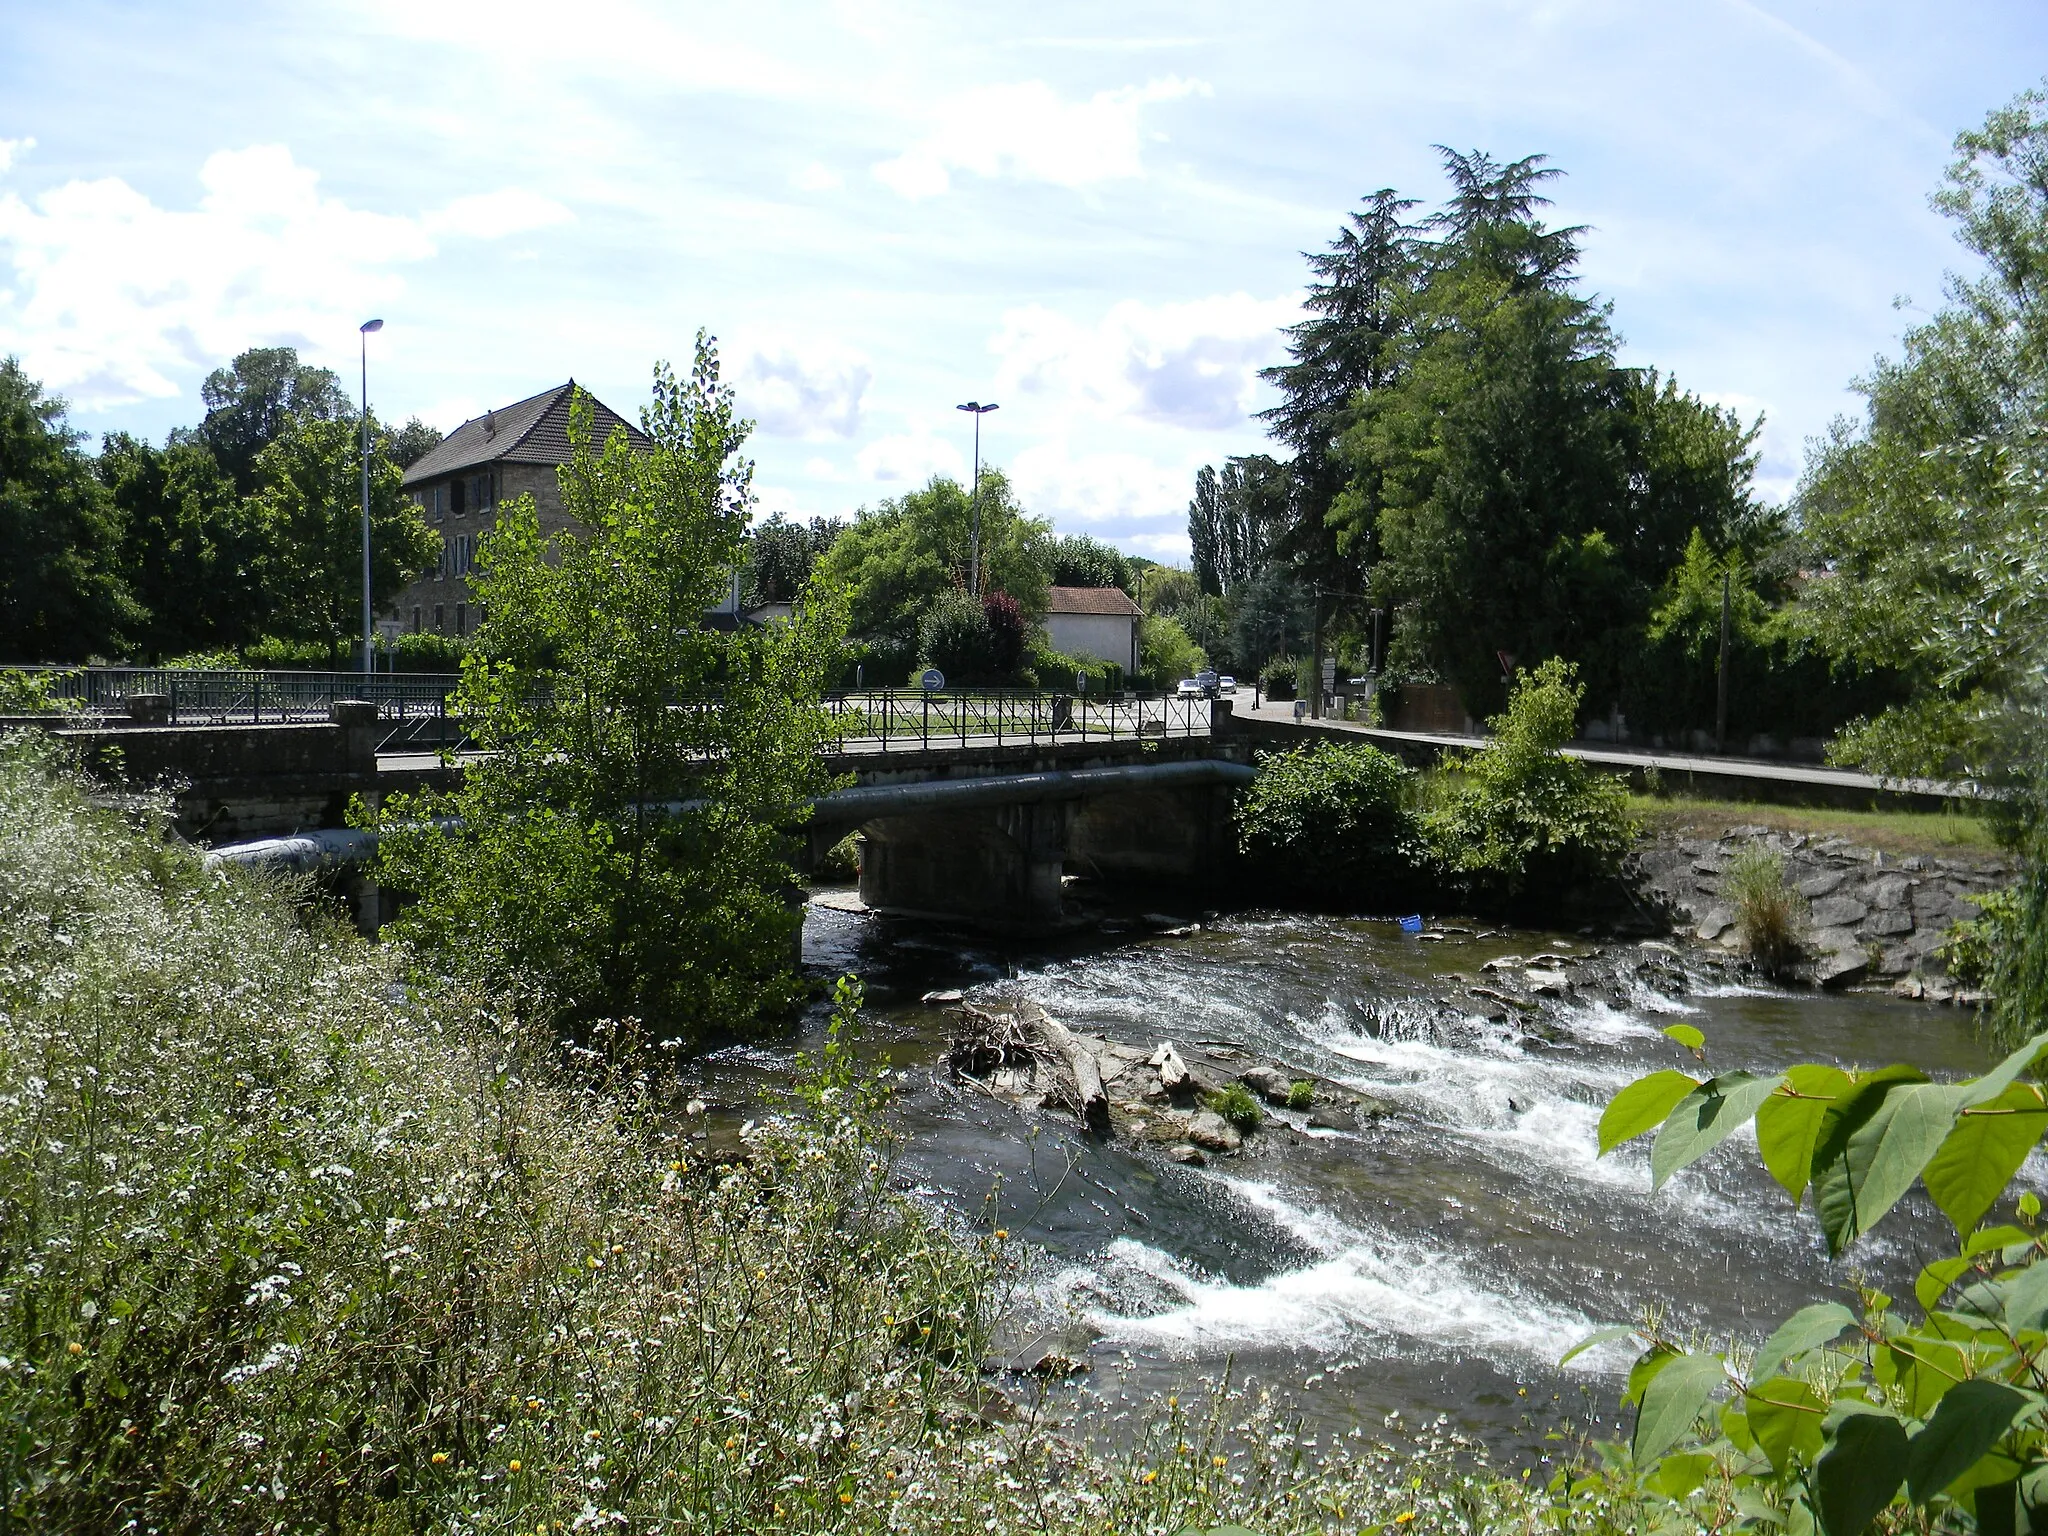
1301, 1095
1236, 1104
1766, 911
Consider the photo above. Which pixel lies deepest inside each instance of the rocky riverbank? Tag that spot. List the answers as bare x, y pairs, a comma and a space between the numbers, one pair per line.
1869, 918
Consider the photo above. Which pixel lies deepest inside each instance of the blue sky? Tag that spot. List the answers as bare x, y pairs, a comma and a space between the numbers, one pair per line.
1092, 214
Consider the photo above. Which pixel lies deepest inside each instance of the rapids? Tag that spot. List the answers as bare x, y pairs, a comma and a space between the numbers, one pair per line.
1443, 1259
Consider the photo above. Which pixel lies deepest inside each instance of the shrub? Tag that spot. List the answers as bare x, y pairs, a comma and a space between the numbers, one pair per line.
954, 637
1970, 949
1330, 820
1277, 677
1301, 1095
1236, 1104
842, 861
1526, 816
1008, 629
32, 693
1055, 671
1766, 912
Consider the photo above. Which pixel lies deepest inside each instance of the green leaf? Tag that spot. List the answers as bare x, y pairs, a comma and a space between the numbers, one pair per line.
1642, 1106
1872, 1147
1971, 1418
1672, 1402
1653, 1360
1785, 1416
1983, 1152
1787, 1126
2003, 1236
1686, 1036
1935, 1280
1679, 1476
2026, 1299
1705, 1118
1808, 1328
1594, 1340
1994, 1083
1861, 1470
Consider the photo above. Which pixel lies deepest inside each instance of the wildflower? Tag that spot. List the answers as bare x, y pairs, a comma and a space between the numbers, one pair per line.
846, 1498
440, 1458
1404, 1517
1149, 1477
512, 1465
1002, 1234
596, 1262
1216, 1461
75, 1347
618, 1247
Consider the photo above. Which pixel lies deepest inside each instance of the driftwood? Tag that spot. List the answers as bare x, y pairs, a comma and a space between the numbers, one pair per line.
1089, 1099
991, 1046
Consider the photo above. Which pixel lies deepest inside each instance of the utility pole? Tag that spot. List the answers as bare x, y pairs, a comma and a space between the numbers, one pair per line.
363, 332
1721, 680
978, 410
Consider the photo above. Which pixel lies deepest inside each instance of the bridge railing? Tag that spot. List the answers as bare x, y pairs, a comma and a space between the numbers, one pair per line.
885, 721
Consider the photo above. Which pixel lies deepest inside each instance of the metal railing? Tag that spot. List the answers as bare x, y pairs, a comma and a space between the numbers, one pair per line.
910, 720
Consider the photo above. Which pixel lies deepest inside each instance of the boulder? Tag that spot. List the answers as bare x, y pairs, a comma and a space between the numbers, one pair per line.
1211, 1132
1714, 924
1269, 1083
1547, 983
1888, 922
1823, 884
1841, 968
1184, 1153
1890, 891
1839, 912
1332, 1117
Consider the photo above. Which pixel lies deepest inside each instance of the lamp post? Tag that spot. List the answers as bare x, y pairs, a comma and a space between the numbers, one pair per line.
978, 410
364, 336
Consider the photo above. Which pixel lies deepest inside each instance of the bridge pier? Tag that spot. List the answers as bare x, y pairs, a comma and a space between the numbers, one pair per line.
1178, 834
995, 867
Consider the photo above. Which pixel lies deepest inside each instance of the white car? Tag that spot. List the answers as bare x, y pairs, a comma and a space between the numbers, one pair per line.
1189, 688
1226, 685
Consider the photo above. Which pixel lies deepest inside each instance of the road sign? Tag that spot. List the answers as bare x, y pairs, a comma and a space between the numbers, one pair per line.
931, 680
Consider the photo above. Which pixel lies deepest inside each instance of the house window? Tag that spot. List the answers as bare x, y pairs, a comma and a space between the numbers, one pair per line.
455, 490
440, 625
415, 621
461, 619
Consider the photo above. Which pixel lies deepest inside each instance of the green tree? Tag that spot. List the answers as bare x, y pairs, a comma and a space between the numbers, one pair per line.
405, 446
897, 558
622, 846
251, 402
1165, 653
189, 546
1235, 519
309, 521
782, 553
1077, 560
62, 597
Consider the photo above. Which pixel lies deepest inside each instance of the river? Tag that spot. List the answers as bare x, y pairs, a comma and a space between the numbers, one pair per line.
1440, 1261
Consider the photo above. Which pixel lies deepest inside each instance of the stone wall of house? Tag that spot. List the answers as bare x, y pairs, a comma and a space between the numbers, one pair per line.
1870, 918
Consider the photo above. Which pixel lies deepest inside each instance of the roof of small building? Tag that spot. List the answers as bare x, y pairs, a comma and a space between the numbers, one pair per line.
1104, 600
533, 431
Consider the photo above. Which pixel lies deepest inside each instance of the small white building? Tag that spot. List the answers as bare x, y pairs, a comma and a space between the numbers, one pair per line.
1098, 622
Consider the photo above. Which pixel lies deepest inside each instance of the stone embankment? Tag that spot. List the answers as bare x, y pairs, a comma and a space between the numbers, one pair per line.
1159, 1097
1868, 918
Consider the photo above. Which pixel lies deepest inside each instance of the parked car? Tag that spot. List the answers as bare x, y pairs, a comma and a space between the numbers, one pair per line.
1226, 685
1190, 688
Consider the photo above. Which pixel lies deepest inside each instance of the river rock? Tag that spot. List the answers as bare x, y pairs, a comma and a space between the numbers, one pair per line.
1839, 912
1213, 1133
1269, 1083
1886, 922
1184, 1153
1714, 924
1824, 884
1332, 1117
943, 998
1547, 983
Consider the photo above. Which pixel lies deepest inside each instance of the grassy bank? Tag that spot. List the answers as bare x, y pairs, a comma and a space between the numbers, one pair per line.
291, 1241
1935, 832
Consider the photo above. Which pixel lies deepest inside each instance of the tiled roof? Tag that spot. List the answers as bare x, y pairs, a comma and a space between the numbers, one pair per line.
1110, 600
534, 431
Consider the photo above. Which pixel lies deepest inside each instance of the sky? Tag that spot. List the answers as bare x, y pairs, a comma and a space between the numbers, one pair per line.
1091, 214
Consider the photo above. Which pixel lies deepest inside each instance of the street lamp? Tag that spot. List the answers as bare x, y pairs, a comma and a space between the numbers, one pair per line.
974, 540
364, 331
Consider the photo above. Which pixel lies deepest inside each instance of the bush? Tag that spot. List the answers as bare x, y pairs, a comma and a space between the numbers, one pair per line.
954, 637
1165, 653
841, 863
1301, 1095
1331, 820
1236, 1104
1055, 672
1766, 912
1526, 817
32, 693
1278, 677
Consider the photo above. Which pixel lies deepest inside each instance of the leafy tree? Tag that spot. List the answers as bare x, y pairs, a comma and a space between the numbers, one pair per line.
62, 597
308, 519
1165, 653
1273, 618
1077, 560
1332, 819
623, 849
251, 402
781, 555
190, 546
405, 446
899, 557
1235, 519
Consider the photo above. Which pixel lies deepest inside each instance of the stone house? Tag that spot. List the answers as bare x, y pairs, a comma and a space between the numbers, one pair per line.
1098, 622
499, 456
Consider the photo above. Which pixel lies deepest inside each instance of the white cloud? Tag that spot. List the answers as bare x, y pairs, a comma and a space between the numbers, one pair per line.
112, 297
10, 148
803, 391
911, 458
494, 215
1190, 365
1028, 132
1111, 489
817, 177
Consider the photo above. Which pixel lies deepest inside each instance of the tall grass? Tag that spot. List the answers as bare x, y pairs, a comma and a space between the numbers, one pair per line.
291, 1241
1766, 910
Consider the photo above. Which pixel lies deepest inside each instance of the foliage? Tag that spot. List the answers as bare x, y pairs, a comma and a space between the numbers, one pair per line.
190, 545
1165, 653
1766, 912
898, 558
623, 840
62, 595
308, 509
1331, 820
257, 399
1301, 1094
1057, 672
1076, 560
781, 555
1274, 617
1930, 1417
1970, 949
1234, 1102
1234, 519
1279, 676
1525, 815
842, 860
32, 693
